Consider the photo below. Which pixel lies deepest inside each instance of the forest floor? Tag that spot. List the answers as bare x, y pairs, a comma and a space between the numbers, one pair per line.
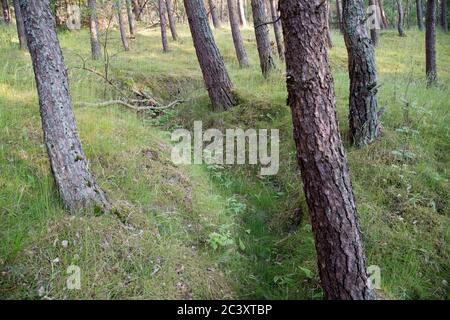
206, 231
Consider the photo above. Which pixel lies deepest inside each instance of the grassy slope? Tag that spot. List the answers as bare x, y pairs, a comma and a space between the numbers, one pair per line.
175, 216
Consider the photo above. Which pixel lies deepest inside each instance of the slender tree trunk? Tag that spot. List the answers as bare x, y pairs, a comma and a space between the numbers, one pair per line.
242, 18
215, 74
419, 11
363, 118
339, 15
96, 51
137, 10
6, 13
277, 29
320, 153
374, 31
444, 21
123, 32
400, 19
173, 29
384, 20
236, 33
430, 43
77, 186
214, 14
327, 25
131, 23
20, 27
262, 37
162, 23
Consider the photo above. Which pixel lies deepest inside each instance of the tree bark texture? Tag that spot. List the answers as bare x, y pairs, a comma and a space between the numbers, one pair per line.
277, 28
430, 43
419, 14
20, 27
170, 14
320, 153
236, 33
96, 51
162, 23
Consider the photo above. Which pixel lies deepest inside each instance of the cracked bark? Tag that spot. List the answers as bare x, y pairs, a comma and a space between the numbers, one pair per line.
320, 153
76, 185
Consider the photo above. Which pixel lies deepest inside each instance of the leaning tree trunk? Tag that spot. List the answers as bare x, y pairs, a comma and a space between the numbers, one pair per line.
137, 10
173, 29
77, 186
384, 20
93, 27
400, 19
162, 23
123, 32
277, 28
374, 31
236, 33
444, 21
363, 118
320, 153
339, 15
131, 23
20, 27
214, 14
419, 11
262, 37
242, 18
215, 74
430, 43
6, 14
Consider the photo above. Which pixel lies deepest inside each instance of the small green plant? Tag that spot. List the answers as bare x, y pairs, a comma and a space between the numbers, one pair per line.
219, 240
234, 206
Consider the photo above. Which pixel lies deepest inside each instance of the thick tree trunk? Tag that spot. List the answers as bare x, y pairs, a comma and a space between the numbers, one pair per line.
320, 153
363, 118
137, 10
6, 13
339, 15
173, 29
430, 43
131, 23
419, 12
96, 51
162, 23
262, 37
277, 28
444, 21
20, 27
121, 19
242, 18
400, 19
77, 186
214, 14
215, 74
236, 33
374, 31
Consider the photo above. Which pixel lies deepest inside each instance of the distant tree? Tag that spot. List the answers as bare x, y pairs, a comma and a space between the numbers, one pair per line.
236, 33
339, 15
137, 10
363, 117
214, 13
76, 185
321, 155
131, 23
400, 19
215, 74
327, 24
170, 11
277, 28
6, 14
242, 17
374, 31
162, 23
384, 20
419, 14
123, 32
96, 51
430, 43
20, 27
262, 37
444, 20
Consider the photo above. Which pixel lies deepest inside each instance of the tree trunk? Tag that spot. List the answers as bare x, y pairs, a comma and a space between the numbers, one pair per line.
262, 37
162, 23
384, 20
137, 10
77, 186
277, 28
236, 33
364, 125
214, 14
123, 32
131, 23
6, 14
215, 74
400, 18
20, 27
173, 29
374, 31
430, 43
93, 27
320, 153
339, 15
242, 18
419, 11
327, 25
444, 21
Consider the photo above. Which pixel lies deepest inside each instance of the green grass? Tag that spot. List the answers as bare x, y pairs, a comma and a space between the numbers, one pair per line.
211, 232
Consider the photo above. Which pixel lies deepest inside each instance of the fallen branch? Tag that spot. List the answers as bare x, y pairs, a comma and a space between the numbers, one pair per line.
129, 105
